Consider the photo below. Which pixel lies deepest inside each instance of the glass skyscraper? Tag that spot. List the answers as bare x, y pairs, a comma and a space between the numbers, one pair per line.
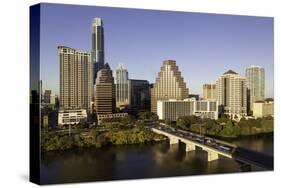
121, 84
97, 47
255, 84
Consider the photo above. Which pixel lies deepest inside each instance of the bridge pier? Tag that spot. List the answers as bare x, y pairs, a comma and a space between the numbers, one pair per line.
189, 147
212, 155
173, 140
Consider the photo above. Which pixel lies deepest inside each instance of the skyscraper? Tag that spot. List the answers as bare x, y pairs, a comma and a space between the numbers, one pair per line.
105, 91
168, 85
139, 94
97, 47
75, 78
255, 84
232, 94
209, 91
47, 96
121, 84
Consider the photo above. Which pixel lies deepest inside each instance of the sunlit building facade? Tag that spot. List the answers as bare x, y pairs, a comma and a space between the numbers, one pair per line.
255, 84
232, 94
75, 78
169, 84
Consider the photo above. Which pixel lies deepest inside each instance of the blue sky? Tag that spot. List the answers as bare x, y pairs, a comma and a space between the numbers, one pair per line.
204, 45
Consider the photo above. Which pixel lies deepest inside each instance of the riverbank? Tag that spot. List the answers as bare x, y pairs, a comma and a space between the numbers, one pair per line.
96, 138
226, 128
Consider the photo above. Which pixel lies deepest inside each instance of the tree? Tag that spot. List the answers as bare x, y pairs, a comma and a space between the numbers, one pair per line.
168, 122
183, 122
147, 116
228, 130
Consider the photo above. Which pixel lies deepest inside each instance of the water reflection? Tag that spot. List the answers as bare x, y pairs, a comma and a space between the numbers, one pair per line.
134, 161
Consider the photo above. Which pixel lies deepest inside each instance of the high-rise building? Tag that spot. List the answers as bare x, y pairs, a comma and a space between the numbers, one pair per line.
255, 84
105, 91
169, 84
209, 91
121, 85
232, 94
139, 94
97, 47
47, 96
75, 79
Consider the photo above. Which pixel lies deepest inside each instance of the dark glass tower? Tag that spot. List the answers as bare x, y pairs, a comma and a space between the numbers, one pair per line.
97, 47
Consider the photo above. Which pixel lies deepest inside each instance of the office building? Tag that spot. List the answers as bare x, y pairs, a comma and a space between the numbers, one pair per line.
169, 84
232, 94
122, 86
105, 91
97, 47
47, 96
209, 91
263, 108
71, 117
75, 79
206, 108
172, 109
139, 94
255, 84
101, 117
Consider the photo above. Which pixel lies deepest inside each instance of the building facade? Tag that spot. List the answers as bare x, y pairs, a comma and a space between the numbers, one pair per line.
105, 102
232, 94
122, 86
207, 108
47, 96
263, 108
169, 84
97, 47
71, 117
209, 91
172, 109
75, 79
101, 117
255, 84
139, 94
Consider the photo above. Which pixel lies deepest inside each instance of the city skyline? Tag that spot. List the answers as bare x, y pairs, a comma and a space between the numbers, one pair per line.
213, 40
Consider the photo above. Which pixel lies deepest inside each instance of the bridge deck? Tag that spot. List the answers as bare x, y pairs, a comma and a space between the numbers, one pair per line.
242, 155
194, 142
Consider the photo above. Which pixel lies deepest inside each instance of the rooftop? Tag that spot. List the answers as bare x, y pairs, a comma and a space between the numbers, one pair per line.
230, 72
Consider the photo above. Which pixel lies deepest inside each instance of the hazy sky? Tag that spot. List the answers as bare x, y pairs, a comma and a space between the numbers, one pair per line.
204, 45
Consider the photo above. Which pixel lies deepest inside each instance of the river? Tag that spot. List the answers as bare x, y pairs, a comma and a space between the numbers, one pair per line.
141, 161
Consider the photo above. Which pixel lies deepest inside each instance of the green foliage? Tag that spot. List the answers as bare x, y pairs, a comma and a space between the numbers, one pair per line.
95, 138
228, 128
183, 122
147, 116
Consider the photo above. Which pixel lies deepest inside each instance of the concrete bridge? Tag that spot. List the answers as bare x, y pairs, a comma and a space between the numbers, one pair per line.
212, 151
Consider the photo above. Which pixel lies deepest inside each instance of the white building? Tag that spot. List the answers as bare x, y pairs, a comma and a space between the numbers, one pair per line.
232, 94
71, 117
206, 108
172, 109
263, 108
